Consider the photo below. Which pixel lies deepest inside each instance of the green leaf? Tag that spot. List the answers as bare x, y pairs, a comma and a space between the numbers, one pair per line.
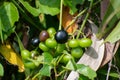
82, 77
46, 69
32, 10
112, 73
19, 42
1, 70
114, 6
114, 35
42, 6
47, 9
86, 71
8, 16
72, 5
47, 57
71, 65
52, 3
111, 17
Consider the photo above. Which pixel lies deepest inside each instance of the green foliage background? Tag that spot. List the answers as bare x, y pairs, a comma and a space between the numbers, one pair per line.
15, 13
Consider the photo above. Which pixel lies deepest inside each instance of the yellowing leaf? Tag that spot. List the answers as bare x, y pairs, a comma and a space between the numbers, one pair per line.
11, 56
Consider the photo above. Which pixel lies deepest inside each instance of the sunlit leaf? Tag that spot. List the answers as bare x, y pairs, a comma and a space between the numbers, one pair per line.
11, 56
47, 57
47, 9
32, 10
86, 71
71, 65
72, 4
114, 35
8, 16
113, 74
52, 3
46, 69
114, 5
1, 70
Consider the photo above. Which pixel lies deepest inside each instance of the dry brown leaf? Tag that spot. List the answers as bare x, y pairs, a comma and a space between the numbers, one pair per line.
110, 50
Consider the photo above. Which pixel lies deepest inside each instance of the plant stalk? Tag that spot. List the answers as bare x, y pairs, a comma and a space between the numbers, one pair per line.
55, 72
61, 8
85, 20
1, 34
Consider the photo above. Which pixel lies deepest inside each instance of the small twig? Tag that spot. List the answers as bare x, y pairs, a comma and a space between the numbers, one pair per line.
109, 68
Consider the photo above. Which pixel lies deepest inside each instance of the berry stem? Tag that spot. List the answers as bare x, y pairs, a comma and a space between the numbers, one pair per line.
85, 20
61, 8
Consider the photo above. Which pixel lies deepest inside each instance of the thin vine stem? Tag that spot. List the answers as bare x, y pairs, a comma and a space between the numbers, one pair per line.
36, 75
61, 8
85, 20
83, 11
27, 78
55, 73
61, 73
60, 59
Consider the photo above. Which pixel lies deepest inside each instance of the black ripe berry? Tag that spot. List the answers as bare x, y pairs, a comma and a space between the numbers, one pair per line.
35, 41
61, 36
